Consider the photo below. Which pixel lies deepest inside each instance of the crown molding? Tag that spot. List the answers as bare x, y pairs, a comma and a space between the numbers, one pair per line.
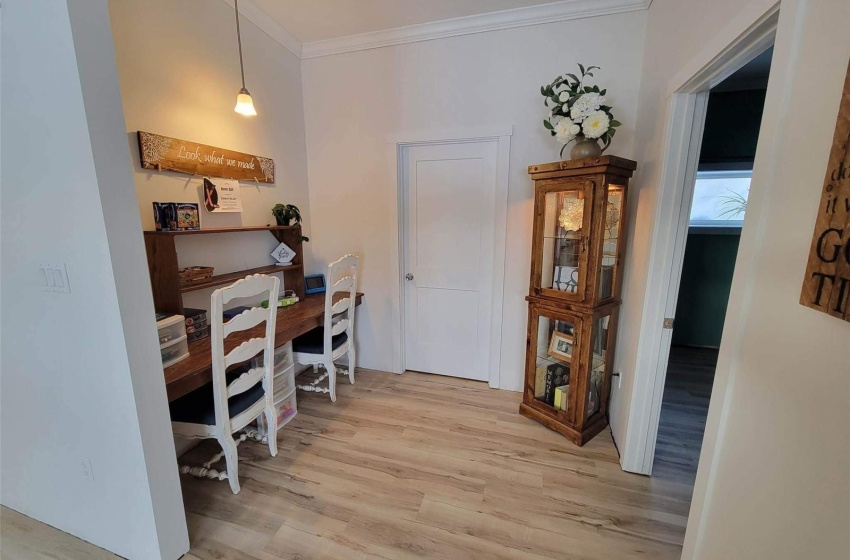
494, 21
258, 17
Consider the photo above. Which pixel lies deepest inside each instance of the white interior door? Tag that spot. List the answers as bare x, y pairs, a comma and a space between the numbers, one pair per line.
449, 192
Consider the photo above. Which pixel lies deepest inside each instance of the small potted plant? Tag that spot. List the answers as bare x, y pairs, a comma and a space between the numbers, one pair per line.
578, 112
285, 214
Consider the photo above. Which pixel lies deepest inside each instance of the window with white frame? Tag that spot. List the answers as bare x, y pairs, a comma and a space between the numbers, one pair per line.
720, 199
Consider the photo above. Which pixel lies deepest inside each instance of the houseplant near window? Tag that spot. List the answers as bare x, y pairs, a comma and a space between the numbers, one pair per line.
577, 112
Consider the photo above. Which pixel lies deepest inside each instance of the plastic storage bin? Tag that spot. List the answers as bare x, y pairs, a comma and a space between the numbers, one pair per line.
171, 328
194, 315
196, 326
287, 408
284, 382
199, 334
282, 358
174, 351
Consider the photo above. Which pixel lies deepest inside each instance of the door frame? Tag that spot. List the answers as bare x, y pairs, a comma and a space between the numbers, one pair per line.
395, 144
686, 119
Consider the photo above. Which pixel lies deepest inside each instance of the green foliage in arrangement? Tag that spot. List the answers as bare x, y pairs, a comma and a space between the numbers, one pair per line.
578, 110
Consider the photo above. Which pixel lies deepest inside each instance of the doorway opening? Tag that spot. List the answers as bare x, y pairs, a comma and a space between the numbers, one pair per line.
717, 211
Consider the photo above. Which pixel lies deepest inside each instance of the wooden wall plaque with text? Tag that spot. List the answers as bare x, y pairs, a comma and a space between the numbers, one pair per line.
826, 286
164, 153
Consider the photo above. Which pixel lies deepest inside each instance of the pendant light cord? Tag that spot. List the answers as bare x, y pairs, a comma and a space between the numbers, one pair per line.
239, 40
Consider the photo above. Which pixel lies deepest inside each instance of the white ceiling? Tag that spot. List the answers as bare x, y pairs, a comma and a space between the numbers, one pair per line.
316, 20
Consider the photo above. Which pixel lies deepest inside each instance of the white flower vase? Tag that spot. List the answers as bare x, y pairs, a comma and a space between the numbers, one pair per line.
585, 148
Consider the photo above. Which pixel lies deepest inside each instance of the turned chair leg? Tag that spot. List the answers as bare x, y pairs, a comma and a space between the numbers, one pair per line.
271, 417
351, 361
232, 457
331, 370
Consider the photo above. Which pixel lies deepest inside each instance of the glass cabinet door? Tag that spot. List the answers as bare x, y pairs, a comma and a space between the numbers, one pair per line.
564, 210
600, 356
555, 348
611, 243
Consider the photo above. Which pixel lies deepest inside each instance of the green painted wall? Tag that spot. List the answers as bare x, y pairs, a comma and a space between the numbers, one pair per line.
732, 124
704, 290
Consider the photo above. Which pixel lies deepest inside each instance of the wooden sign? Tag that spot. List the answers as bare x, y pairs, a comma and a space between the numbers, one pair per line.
164, 153
827, 283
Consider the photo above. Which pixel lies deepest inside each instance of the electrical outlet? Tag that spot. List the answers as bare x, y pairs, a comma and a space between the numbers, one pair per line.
88, 473
54, 278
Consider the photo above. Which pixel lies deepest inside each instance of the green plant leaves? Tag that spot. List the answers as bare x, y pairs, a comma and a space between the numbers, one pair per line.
573, 86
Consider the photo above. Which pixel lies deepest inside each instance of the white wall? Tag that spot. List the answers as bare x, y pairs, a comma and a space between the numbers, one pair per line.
179, 72
778, 426
355, 102
681, 38
772, 481
79, 385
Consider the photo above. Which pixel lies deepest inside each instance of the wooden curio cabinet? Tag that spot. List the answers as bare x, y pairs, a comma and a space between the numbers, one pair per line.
574, 294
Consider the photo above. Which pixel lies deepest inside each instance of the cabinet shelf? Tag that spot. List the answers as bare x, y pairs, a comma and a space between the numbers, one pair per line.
231, 277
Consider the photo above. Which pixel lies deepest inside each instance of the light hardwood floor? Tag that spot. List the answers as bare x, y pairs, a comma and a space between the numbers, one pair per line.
416, 466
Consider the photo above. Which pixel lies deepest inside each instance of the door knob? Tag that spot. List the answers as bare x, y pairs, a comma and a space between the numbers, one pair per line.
408, 276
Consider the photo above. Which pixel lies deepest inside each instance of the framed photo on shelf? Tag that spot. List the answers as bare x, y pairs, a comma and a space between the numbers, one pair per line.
188, 216
561, 347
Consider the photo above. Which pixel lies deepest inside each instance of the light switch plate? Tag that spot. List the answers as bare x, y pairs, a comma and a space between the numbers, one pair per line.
54, 278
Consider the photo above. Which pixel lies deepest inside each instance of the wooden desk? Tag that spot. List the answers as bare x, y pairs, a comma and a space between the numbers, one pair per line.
196, 370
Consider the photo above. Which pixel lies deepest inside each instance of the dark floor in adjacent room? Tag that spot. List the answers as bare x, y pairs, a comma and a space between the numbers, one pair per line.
687, 391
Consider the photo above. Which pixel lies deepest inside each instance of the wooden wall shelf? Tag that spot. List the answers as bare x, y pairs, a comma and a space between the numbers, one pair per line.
231, 277
224, 230
168, 288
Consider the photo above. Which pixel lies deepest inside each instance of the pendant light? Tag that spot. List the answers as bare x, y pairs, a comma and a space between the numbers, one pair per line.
244, 103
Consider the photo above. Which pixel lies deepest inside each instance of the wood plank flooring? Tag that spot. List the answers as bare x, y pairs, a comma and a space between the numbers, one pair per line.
684, 408
424, 466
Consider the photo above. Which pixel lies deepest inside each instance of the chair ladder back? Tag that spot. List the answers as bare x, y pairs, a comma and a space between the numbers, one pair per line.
251, 286
342, 279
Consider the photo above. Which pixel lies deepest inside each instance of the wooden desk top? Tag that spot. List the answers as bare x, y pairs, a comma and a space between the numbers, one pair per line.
196, 370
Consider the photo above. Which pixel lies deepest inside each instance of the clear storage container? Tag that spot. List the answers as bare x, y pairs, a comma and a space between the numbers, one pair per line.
284, 382
286, 410
174, 351
170, 328
199, 334
282, 358
196, 326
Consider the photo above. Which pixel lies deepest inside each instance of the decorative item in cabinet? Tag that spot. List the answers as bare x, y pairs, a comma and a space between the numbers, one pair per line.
576, 278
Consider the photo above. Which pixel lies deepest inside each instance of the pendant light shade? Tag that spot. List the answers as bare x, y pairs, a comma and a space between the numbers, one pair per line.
244, 103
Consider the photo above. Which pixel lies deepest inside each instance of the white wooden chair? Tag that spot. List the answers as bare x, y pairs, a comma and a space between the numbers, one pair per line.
322, 346
237, 398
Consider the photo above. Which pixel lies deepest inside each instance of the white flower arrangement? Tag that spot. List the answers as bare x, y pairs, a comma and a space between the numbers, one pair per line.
578, 110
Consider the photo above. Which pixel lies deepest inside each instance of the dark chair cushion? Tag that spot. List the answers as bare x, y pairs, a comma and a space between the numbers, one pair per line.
198, 407
312, 342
